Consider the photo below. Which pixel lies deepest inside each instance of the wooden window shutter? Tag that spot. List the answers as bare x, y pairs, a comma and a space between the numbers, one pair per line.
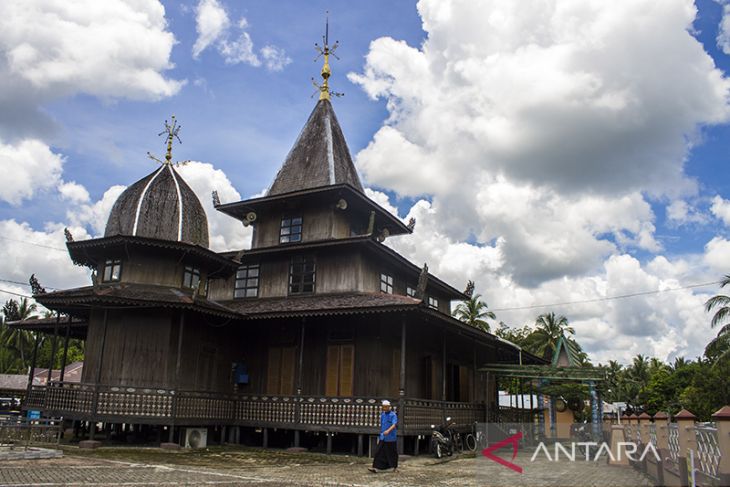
273, 376
288, 361
395, 374
332, 370
347, 369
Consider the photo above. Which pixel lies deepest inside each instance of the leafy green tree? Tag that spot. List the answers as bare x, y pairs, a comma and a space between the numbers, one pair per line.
473, 311
518, 336
718, 350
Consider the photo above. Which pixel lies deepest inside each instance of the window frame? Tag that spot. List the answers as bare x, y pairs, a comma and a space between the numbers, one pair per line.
111, 265
433, 302
292, 222
386, 283
303, 260
245, 279
411, 291
193, 272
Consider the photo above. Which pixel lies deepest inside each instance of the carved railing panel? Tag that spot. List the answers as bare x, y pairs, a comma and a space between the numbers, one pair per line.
352, 412
36, 397
266, 409
464, 413
420, 414
130, 401
205, 406
69, 397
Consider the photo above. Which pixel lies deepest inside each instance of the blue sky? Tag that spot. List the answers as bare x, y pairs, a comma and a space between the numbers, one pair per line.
244, 119
552, 151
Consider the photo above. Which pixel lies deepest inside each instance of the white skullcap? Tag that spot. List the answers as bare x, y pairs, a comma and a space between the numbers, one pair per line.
386, 402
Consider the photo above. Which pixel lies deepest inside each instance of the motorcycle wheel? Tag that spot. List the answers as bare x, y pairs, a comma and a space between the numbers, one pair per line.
471, 442
437, 452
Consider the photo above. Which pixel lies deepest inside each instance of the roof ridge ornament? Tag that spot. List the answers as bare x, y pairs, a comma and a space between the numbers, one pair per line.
171, 133
325, 51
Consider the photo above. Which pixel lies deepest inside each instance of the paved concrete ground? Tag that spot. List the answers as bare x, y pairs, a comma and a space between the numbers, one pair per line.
226, 466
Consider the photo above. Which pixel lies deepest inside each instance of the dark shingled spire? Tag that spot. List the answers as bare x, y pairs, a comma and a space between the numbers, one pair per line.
160, 205
320, 156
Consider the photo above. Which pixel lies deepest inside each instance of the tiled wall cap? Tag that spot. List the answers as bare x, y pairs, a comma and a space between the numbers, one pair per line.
722, 413
684, 414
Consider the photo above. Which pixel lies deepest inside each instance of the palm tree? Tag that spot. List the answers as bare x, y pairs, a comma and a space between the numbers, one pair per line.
719, 348
548, 331
614, 383
15, 338
472, 311
679, 362
640, 370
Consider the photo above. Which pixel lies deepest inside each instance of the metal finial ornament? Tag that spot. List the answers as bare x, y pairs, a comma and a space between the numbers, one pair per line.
325, 51
171, 133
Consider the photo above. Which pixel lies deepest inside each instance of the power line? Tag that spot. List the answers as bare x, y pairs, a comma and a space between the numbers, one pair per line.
608, 298
23, 283
15, 294
32, 243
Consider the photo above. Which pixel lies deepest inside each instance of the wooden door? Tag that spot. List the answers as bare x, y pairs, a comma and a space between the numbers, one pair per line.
340, 370
280, 371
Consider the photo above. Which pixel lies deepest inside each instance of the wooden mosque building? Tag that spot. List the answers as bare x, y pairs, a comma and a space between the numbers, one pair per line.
292, 342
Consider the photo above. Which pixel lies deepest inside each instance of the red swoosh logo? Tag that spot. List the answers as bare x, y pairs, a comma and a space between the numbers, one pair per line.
514, 441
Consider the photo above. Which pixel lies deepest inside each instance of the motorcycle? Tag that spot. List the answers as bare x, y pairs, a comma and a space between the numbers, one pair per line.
444, 439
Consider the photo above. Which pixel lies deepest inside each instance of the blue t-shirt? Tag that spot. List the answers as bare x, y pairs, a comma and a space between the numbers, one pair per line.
386, 421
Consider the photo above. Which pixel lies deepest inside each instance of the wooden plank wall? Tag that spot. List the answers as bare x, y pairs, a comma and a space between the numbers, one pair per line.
136, 350
141, 351
320, 222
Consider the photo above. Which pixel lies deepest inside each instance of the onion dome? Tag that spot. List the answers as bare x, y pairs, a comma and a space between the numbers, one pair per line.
160, 205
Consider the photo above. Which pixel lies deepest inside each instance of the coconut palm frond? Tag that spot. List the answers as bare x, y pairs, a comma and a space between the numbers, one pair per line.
717, 301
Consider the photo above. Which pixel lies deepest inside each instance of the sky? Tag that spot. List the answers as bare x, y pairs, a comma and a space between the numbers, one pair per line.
560, 153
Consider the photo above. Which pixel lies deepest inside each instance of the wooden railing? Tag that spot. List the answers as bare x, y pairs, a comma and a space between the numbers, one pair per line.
306, 412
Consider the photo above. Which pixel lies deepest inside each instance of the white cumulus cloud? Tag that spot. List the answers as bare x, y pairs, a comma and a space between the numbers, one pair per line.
721, 209
211, 22
233, 43
28, 166
540, 134
114, 48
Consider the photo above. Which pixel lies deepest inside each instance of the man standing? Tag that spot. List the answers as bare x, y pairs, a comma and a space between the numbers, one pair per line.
386, 453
